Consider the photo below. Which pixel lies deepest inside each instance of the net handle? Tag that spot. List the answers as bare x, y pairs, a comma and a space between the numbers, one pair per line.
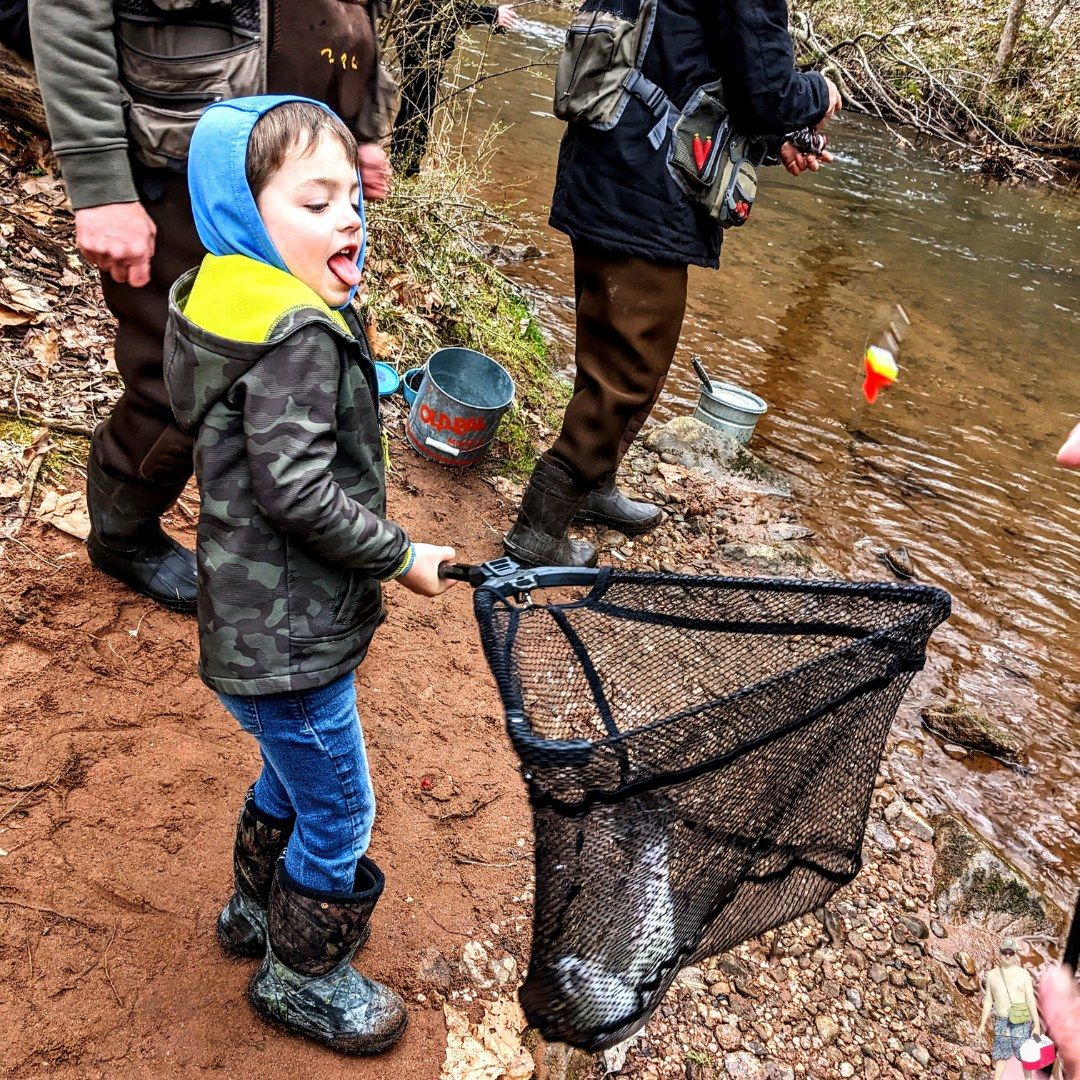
507, 578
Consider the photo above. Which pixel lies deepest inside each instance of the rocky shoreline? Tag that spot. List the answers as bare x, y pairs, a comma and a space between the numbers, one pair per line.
884, 982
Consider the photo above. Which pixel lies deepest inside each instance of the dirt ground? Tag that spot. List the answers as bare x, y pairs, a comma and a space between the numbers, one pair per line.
120, 780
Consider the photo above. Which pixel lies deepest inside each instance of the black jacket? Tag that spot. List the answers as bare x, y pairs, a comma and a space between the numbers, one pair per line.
613, 190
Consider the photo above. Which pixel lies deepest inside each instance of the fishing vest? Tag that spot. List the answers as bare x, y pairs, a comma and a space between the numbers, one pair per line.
176, 57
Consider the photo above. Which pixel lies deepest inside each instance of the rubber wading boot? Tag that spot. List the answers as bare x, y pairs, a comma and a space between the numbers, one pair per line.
608, 506
260, 840
126, 539
539, 538
307, 984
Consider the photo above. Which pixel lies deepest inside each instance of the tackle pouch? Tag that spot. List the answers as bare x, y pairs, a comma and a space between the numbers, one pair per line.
605, 43
176, 57
715, 165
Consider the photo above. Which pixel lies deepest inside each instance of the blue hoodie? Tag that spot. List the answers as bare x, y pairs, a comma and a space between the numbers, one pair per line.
226, 216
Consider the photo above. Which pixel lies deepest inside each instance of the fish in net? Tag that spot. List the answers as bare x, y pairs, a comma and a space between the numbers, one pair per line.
700, 754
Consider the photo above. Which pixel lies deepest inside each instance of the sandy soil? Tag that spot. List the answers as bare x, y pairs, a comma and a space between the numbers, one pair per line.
120, 779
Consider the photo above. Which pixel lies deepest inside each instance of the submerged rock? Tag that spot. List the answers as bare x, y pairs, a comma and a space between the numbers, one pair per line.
960, 723
690, 443
898, 560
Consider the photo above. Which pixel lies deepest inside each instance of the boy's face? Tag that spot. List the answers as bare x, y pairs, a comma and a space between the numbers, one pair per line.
309, 208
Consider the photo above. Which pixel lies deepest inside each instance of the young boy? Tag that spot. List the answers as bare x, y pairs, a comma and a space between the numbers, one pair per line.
266, 362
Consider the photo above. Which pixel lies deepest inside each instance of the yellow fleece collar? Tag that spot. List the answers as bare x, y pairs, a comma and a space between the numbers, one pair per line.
240, 298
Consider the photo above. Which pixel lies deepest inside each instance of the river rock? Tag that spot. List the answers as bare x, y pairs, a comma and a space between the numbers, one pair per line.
785, 530
744, 1066
965, 963
958, 722
827, 1028
776, 560
974, 883
898, 560
694, 445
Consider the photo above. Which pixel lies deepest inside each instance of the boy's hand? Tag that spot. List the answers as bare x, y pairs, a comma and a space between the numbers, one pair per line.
423, 577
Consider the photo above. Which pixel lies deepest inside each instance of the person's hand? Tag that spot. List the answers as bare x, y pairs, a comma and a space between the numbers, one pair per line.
506, 18
796, 162
1059, 1005
423, 576
375, 170
836, 102
118, 239
1069, 454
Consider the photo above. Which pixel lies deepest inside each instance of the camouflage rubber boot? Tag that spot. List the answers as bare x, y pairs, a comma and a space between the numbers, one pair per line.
260, 840
538, 537
307, 983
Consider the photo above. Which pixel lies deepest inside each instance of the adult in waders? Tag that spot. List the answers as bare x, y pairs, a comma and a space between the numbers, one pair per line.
124, 82
635, 228
429, 32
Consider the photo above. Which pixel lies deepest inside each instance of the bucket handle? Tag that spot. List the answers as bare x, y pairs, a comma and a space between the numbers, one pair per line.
453, 451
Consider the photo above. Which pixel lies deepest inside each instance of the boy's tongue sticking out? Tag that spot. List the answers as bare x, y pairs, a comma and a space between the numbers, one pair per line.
343, 265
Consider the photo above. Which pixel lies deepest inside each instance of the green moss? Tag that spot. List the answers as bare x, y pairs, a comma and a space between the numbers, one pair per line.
69, 450
990, 890
699, 1057
955, 846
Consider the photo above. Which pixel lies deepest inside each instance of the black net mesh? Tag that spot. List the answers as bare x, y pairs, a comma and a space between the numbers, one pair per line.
700, 755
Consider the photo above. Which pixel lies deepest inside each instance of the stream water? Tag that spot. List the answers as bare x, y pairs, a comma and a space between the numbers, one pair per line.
955, 461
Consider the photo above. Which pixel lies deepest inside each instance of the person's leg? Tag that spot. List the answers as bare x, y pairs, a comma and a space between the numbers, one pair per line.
140, 460
262, 833
325, 888
314, 745
629, 316
410, 134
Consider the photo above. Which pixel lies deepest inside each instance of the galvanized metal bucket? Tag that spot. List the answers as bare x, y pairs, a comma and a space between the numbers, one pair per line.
731, 409
457, 410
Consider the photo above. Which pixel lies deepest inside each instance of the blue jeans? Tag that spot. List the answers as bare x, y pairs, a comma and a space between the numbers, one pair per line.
314, 769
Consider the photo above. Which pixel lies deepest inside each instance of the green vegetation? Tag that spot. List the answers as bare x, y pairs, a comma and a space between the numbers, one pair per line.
941, 66
16, 436
428, 287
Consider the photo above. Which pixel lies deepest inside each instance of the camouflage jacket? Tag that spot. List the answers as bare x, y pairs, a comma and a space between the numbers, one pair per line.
292, 538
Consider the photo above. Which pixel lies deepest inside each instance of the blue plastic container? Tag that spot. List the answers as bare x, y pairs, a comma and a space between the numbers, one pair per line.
389, 381
410, 383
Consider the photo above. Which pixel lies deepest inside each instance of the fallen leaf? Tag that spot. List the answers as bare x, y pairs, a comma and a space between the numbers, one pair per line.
382, 345
25, 297
490, 1051
11, 317
40, 443
9, 488
40, 185
66, 512
44, 347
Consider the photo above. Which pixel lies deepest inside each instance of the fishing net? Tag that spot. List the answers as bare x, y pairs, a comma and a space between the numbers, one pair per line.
700, 755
